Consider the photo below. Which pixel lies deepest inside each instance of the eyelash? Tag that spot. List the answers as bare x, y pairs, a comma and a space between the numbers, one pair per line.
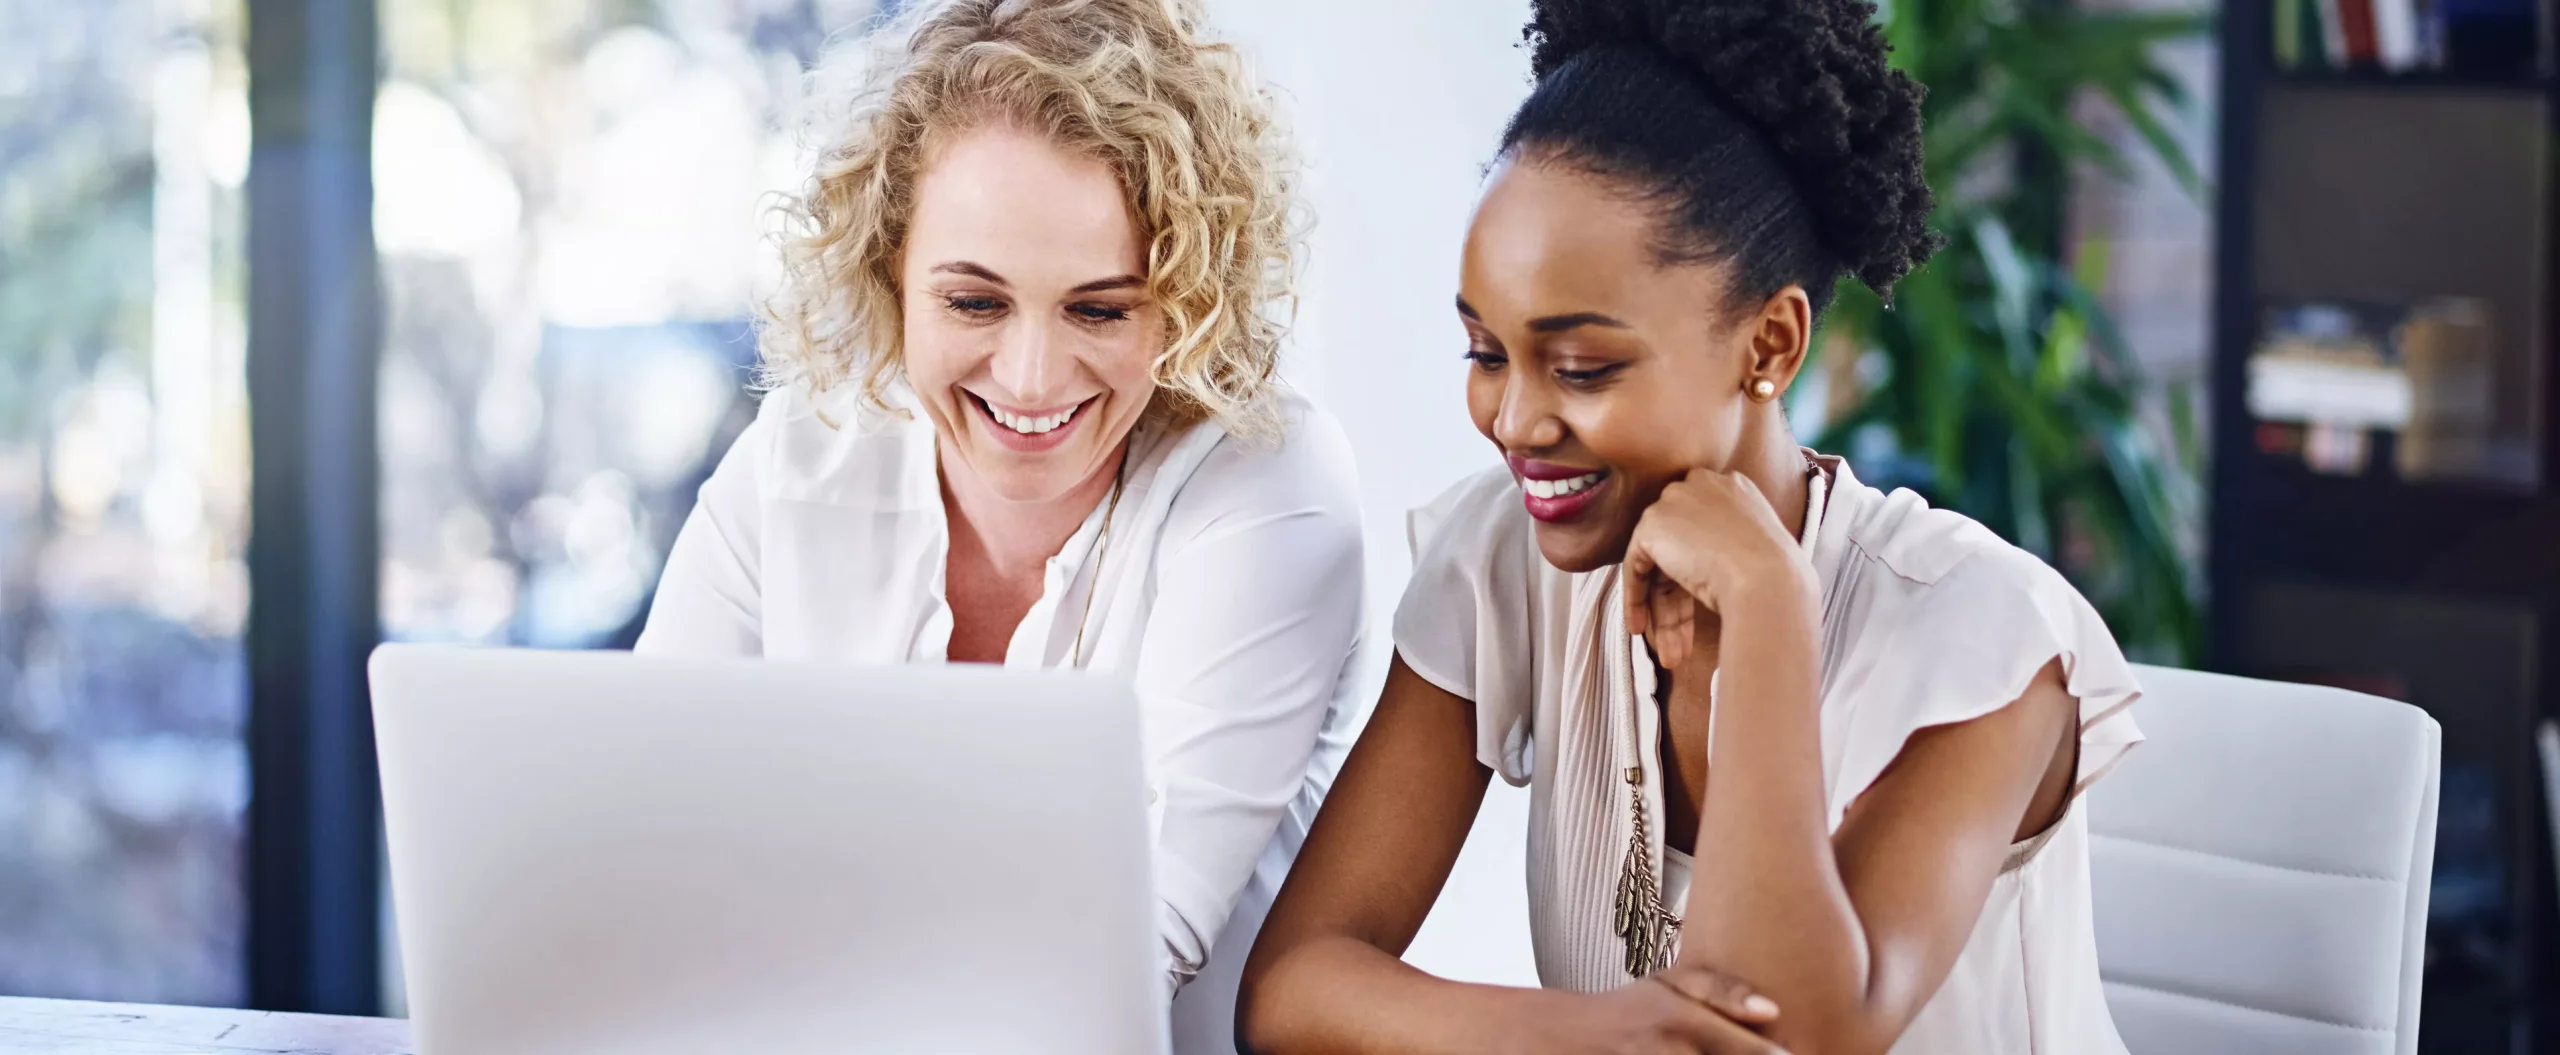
973, 307
1590, 377
1493, 361
981, 308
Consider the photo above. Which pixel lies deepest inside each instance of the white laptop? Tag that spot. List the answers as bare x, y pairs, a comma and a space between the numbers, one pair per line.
602, 852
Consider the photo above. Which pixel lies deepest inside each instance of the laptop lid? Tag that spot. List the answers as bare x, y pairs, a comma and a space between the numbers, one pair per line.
606, 852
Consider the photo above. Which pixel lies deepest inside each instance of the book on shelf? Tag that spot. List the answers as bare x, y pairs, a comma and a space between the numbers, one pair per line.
2328, 380
2310, 38
2395, 31
2333, 33
2479, 37
2449, 354
2288, 34
2321, 381
2356, 33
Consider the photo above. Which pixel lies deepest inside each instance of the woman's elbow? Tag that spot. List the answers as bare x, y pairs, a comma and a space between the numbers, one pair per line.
1823, 1038
1256, 1032
1262, 995
1844, 1027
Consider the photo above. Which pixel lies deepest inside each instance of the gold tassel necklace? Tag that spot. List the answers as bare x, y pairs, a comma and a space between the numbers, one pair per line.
1649, 928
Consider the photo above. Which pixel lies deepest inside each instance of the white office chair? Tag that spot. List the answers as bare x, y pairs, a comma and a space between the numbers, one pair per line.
2260, 867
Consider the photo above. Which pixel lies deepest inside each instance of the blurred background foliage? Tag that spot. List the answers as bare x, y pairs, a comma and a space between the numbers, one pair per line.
1997, 384
123, 499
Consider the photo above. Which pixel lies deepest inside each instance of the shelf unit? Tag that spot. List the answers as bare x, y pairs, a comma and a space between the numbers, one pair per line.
2364, 186
2412, 80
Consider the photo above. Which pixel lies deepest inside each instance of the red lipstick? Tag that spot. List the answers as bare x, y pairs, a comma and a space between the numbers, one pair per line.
1557, 493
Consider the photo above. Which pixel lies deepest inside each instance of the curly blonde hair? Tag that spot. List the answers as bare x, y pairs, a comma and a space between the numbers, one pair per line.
1127, 82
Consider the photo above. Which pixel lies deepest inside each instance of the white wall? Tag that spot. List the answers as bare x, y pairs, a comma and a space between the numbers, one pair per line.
1396, 109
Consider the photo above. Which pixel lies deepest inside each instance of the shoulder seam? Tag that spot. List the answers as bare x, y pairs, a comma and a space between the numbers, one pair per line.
1861, 549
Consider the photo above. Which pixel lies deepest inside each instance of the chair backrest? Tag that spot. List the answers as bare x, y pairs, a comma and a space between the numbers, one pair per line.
2260, 867
2546, 741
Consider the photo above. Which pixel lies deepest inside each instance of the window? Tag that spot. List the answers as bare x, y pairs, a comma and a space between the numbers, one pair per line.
569, 203
124, 142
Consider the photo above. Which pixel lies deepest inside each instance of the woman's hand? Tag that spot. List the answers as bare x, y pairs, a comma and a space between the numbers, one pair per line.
1710, 540
1686, 1010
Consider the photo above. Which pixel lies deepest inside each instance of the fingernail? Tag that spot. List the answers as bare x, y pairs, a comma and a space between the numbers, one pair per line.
1759, 1005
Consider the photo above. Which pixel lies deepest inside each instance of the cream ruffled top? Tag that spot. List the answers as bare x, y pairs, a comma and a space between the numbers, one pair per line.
1928, 619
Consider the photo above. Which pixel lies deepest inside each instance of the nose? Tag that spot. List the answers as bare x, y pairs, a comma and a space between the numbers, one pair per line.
1031, 365
1526, 420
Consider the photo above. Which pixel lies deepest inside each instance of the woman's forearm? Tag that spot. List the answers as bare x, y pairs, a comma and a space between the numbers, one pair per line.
1766, 899
1341, 996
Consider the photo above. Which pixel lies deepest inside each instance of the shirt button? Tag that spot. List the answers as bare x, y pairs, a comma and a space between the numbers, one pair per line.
1151, 796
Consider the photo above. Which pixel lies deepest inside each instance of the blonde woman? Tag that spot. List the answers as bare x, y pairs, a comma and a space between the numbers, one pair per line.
1023, 411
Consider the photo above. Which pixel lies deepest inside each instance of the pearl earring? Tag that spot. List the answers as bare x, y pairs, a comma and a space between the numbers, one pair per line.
1763, 389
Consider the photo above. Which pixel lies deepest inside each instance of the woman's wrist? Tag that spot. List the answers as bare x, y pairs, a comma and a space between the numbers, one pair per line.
1532, 1021
1777, 589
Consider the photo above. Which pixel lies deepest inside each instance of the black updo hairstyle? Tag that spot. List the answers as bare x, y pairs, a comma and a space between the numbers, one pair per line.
1771, 134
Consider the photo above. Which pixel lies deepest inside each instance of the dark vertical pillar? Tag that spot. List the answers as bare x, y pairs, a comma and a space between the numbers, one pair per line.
2231, 539
314, 876
2543, 948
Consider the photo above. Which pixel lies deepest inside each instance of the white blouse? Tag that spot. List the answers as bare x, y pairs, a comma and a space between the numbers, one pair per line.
1927, 619
1230, 592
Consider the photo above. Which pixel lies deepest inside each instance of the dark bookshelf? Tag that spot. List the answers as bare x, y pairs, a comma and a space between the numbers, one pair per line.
2413, 80
2365, 187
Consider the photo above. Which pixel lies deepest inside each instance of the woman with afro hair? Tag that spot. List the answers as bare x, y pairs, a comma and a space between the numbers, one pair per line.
1805, 758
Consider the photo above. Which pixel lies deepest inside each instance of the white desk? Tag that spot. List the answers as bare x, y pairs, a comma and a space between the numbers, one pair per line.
77, 1027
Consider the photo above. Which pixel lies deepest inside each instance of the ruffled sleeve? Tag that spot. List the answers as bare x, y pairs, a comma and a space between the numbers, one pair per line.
1965, 643
1464, 622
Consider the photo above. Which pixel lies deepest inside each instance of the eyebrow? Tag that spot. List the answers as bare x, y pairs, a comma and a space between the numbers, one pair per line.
1561, 323
983, 273
973, 270
1555, 323
1115, 282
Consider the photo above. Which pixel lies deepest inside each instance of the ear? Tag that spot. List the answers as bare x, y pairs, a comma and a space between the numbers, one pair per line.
1780, 336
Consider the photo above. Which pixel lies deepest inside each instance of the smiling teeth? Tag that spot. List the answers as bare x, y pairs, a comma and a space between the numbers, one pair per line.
1033, 426
1560, 488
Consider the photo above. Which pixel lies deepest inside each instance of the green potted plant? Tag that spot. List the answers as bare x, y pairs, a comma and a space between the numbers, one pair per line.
1996, 384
